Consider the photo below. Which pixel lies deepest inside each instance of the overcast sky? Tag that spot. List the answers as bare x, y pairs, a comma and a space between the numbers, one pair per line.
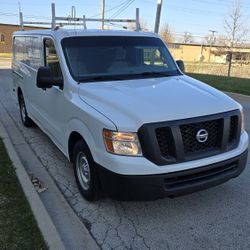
195, 16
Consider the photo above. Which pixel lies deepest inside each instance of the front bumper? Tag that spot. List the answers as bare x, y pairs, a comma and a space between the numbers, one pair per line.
149, 187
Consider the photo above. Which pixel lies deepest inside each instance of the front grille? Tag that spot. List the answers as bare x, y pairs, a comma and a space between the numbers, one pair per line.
175, 141
233, 128
189, 132
163, 138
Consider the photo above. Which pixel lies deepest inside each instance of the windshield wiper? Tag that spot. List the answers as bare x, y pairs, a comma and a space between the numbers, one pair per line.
155, 73
99, 78
125, 76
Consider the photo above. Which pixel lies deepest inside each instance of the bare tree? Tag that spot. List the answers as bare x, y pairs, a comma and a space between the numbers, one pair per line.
235, 29
210, 39
206, 39
143, 24
166, 34
221, 40
222, 43
187, 37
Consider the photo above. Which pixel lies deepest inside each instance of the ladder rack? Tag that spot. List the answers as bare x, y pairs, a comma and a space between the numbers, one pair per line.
77, 21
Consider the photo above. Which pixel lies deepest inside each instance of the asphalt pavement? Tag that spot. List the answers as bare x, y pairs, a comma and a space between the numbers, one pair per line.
217, 218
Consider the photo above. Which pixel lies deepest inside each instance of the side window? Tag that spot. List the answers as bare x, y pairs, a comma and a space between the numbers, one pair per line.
19, 48
27, 49
36, 53
51, 58
153, 57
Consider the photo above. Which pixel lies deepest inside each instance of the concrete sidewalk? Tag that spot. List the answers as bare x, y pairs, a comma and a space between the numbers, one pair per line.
60, 226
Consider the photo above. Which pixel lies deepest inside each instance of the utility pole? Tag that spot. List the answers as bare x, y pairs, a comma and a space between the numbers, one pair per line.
20, 16
158, 16
211, 42
19, 7
103, 11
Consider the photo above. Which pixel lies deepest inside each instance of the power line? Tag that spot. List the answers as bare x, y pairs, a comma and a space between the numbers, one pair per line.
7, 14
120, 6
113, 8
123, 8
46, 17
28, 16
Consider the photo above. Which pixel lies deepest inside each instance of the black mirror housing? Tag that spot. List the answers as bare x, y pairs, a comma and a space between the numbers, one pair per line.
45, 79
181, 65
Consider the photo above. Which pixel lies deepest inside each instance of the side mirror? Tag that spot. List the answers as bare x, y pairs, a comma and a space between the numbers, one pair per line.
45, 79
181, 65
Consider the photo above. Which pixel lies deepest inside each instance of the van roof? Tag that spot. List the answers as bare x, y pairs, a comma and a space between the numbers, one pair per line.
61, 33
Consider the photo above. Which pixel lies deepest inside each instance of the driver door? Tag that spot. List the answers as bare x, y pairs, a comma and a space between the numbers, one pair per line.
53, 101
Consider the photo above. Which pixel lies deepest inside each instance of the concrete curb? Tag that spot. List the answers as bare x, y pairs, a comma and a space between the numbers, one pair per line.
41, 215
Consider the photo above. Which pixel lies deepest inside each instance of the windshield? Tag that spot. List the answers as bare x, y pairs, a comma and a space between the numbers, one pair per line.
117, 57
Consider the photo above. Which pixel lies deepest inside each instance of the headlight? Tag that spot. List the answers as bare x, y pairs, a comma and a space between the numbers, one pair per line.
242, 121
122, 143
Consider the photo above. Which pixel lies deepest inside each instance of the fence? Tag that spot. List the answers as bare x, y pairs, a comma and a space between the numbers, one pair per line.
237, 70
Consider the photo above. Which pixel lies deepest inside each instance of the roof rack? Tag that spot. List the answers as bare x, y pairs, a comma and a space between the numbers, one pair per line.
72, 20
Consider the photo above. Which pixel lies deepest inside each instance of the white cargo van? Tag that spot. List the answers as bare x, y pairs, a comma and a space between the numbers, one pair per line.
124, 113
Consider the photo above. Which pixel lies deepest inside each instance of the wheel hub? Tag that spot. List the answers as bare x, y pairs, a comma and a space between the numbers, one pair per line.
83, 170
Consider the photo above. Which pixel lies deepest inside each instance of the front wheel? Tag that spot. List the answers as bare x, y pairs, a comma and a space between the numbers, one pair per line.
85, 171
27, 122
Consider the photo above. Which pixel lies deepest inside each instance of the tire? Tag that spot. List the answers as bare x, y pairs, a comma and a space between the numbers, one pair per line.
85, 171
27, 122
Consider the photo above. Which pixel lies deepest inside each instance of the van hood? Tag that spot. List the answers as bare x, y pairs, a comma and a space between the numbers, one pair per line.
132, 103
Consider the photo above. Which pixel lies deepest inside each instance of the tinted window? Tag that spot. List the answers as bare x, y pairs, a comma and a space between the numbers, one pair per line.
51, 58
28, 50
128, 57
19, 48
36, 51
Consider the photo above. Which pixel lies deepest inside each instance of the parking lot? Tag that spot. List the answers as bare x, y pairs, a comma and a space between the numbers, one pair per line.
217, 218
